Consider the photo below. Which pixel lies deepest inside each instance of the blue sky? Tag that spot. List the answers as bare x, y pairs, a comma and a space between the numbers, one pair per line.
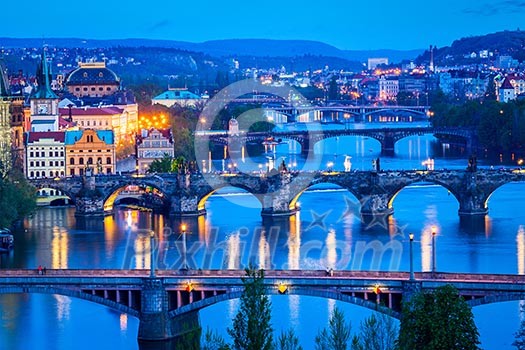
347, 24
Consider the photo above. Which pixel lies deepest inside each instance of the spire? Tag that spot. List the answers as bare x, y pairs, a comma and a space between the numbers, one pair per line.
43, 77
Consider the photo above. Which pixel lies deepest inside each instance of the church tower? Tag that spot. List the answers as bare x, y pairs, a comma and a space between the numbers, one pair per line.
5, 124
44, 102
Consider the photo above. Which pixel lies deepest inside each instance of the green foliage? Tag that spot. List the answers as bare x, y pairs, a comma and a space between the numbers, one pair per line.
252, 329
519, 337
287, 341
190, 340
213, 341
376, 333
17, 198
440, 320
337, 335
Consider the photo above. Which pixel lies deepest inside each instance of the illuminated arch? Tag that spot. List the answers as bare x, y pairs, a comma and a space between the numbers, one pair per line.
293, 203
394, 194
202, 201
109, 201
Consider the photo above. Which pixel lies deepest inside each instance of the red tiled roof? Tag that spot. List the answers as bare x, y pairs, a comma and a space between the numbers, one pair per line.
91, 111
58, 136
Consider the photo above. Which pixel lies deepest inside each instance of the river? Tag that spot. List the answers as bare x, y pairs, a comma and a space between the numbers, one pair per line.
55, 238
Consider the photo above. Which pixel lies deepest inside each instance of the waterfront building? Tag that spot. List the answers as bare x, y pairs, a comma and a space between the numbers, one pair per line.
18, 122
89, 150
173, 96
44, 154
153, 144
388, 88
43, 101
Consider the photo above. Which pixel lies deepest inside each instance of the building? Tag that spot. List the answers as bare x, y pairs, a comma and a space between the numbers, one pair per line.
43, 101
5, 125
172, 96
151, 145
92, 79
113, 118
388, 88
89, 149
44, 154
18, 121
374, 62
506, 91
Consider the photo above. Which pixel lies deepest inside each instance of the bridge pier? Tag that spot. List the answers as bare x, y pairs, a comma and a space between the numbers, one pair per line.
155, 323
89, 206
375, 205
387, 145
187, 206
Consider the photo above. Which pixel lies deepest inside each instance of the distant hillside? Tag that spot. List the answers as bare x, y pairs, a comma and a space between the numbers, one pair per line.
501, 43
224, 48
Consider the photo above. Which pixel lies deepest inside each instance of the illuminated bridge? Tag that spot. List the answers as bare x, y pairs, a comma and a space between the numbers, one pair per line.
168, 303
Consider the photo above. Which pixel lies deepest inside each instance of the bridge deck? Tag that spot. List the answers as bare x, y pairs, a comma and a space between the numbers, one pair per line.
270, 274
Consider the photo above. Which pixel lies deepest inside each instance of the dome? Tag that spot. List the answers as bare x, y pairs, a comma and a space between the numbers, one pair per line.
92, 74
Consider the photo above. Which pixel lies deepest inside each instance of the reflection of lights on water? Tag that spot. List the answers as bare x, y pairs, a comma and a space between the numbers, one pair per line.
264, 253
142, 252
331, 248
129, 219
234, 246
294, 242
520, 241
123, 322
294, 301
233, 305
59, 248
330, 308
63, 307
426, 250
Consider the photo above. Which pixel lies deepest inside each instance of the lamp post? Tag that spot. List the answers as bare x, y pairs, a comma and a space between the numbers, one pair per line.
412, 277
183, 229
433, 252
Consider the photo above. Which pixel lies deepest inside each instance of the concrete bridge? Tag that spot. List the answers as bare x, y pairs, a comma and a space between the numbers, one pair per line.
358, 112
167, 304
387, 137
185, 194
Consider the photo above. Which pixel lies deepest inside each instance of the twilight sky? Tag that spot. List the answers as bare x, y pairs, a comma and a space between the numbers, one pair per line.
347, 24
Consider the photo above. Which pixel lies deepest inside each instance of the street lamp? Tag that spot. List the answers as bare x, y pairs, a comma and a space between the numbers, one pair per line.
433, 251
152, 253
183, 228
412, 277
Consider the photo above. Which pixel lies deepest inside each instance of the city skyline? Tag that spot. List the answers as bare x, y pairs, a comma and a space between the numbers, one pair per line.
386, 25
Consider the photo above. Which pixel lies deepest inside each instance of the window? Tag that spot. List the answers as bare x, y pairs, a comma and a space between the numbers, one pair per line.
108, 89
31, 154
80, 171
37, 154
56, 153
108, 170
85, 75
108, 160
99, 160
37, 164
32, 174
81, 161
62, 153
90, 160
92, 89
61, 163
38, 174
77, 89
31, 164
85, 89
72, 172
100, 89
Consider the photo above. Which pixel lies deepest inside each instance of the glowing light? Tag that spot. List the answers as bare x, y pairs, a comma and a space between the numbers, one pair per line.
282, 288
189, 287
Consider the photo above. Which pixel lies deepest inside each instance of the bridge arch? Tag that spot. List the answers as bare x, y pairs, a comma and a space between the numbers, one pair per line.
203, 197
293, 204
47, 195
149, 188
393, 194
322, 293
73, 294
497, 298
50, 186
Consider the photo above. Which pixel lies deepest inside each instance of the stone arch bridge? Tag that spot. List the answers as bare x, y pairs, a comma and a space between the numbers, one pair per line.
186, 194
387, 137
167, 304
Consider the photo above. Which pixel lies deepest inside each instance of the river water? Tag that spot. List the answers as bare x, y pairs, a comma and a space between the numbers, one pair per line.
327, 232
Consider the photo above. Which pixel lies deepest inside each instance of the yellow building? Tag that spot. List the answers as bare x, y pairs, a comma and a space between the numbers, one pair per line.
90, 150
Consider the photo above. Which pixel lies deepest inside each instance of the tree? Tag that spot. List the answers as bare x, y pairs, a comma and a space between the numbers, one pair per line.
333, 89
438, 320
337, 335
163, 165
376, 333
213, 341
519, 337
17, 198
288, 341
252, 329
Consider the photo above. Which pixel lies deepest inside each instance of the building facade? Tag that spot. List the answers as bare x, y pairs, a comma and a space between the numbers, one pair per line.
151, 145
44, 154
388, 88
89, 150
92, 79
172, 96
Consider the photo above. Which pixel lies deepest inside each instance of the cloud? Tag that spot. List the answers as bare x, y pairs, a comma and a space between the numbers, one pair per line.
159, 25
496, 8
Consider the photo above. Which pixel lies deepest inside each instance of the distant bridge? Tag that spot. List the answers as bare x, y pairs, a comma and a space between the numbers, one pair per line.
186, 194
387, 137
168, 303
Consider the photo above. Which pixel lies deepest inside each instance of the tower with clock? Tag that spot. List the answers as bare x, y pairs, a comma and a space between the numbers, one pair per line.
44, 102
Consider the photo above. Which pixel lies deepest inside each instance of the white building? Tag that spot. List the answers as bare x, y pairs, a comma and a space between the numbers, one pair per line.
153, 145
388, 88
45, 154
172, 96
